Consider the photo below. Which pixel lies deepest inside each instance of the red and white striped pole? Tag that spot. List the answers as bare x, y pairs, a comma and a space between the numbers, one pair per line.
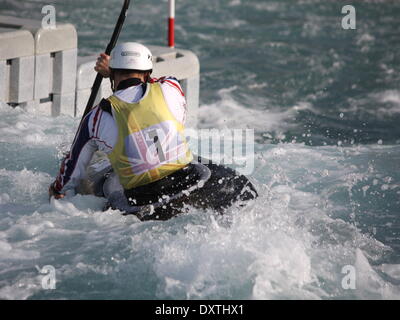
171, 24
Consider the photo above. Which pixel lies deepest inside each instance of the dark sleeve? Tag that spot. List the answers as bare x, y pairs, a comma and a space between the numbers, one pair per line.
69, 163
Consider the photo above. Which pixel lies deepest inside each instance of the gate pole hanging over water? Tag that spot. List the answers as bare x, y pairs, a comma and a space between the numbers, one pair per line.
171, 24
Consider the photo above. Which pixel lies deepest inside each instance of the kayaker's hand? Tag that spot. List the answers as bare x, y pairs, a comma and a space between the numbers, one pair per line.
54, 193
102, 65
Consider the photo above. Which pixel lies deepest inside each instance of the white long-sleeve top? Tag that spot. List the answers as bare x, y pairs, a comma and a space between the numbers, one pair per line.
99, 131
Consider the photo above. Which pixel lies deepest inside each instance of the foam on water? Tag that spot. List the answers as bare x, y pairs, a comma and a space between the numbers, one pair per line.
228, 113
292, 242
288, 70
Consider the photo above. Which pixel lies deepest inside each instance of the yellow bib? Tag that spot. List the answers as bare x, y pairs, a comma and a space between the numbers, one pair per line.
151, 142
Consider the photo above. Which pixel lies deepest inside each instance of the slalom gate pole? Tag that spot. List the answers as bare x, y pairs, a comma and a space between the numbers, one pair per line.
171, 24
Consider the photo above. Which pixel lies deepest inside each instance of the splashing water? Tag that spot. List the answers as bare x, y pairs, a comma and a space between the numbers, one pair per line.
324, 104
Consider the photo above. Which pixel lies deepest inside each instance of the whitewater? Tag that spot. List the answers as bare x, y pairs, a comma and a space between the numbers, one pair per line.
325, 107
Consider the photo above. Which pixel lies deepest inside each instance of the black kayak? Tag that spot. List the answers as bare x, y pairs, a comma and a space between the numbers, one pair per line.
202, 184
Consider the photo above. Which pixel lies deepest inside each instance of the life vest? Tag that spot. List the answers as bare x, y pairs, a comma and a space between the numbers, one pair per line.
151, 142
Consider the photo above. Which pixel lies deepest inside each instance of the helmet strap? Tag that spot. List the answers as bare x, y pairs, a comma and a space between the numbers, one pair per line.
112, 81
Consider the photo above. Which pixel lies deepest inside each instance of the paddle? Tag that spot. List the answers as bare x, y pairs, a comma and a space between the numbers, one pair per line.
110, 46
99, 78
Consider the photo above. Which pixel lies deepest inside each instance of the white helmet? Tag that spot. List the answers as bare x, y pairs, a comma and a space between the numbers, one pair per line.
132, 56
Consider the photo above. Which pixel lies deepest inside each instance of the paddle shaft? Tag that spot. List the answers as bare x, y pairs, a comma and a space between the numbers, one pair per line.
110, 46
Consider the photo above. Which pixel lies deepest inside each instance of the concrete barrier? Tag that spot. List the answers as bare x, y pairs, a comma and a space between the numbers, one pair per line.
55, 69
55, 55
16, 66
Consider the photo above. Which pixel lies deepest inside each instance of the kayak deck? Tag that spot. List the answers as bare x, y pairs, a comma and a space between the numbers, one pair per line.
161, 201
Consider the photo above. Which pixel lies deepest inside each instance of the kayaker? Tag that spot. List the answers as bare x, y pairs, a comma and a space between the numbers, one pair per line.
141, 130
143, 147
